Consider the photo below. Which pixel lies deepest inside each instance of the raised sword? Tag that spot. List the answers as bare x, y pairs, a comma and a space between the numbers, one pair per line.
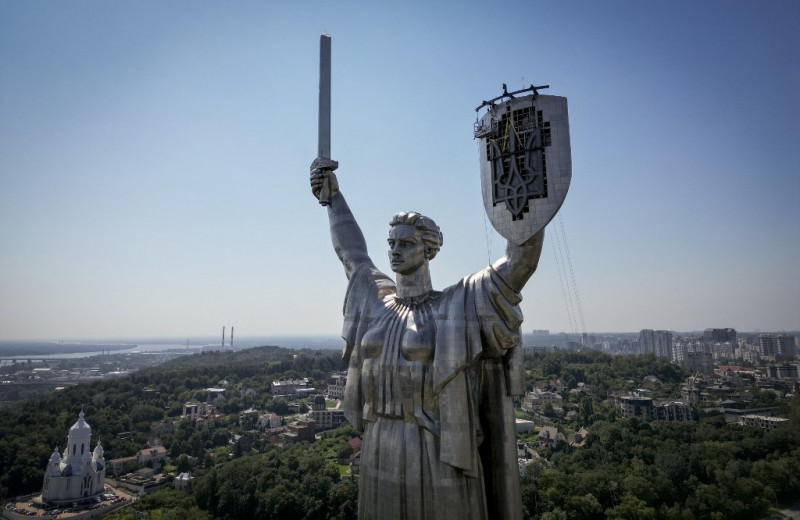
324, 126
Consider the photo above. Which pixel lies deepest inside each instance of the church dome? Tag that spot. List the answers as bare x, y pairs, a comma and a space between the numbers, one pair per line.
81, 424
55, 458
98, 451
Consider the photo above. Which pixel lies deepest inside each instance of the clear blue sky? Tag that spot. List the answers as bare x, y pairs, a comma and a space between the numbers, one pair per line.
154, 158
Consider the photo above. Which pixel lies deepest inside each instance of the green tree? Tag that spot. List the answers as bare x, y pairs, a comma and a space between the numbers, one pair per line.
279, 406
631, 508
585, 507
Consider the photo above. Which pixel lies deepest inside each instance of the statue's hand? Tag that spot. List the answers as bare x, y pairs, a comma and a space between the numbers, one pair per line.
321, 163
328, 185
319, 178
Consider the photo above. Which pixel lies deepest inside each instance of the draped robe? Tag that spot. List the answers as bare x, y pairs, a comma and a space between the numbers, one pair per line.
430, 384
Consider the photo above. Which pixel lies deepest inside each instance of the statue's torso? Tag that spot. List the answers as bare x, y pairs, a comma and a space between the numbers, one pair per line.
398, 348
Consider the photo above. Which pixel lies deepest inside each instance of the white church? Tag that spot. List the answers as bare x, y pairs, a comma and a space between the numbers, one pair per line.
78, 473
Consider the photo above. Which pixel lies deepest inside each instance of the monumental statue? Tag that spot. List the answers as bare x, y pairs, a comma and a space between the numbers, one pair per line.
432, 373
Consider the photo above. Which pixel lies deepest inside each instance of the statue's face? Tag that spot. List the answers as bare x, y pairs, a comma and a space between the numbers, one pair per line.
406, 249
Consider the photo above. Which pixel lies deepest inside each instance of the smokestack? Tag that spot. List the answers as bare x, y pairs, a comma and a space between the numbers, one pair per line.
223, 337
231, 336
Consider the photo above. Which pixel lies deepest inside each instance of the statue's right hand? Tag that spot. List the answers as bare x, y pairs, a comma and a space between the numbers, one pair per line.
322, 163
318, 179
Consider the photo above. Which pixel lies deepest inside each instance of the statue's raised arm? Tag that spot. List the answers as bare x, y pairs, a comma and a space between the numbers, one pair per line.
348, 240
520, 261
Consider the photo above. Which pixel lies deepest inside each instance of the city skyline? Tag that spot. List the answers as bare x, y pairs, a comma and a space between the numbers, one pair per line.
155, 160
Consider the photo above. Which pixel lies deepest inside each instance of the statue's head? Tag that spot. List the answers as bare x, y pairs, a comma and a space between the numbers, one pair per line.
413, 240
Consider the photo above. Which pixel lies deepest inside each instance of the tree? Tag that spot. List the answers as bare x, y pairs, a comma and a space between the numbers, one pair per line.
343, 500
145, 413
220, 438
585, 411
279, 406
631, 508
584, 507
183, 464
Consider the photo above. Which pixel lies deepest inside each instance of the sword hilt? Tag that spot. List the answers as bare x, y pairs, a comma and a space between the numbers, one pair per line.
325, 193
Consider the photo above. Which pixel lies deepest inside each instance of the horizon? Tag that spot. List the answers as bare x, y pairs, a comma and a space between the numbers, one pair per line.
248, 341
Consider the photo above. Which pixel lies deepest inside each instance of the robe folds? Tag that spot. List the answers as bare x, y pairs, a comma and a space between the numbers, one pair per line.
430, 385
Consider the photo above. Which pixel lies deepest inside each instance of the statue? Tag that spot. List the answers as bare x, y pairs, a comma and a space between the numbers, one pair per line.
431, 374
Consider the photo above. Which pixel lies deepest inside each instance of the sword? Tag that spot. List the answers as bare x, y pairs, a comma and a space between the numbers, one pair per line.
324, 127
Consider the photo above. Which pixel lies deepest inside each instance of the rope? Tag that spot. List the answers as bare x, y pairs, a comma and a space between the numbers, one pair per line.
488, 236
572, 273
564, 288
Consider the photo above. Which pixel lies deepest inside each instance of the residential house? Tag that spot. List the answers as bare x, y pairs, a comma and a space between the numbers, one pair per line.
241, 442
215, 396
551, 436
673, 411
303, 430
534, 401
269, 420
162, 429
183, 481
635, 406
326, 418
336, 386
764, 422
523, 425
652, 383
355, 463
155, 456
117, 466
355, 444
578, 440
644, 407
193, 409
291, 387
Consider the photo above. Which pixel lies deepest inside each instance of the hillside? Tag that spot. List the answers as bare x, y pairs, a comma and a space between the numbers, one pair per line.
626, 469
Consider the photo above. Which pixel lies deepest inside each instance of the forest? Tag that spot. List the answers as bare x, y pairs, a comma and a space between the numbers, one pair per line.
31, 430
627, 469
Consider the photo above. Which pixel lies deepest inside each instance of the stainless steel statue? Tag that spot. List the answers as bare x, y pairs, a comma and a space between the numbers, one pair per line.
431, 374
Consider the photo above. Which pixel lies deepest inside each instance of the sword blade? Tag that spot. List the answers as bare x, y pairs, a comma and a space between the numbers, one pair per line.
324, 129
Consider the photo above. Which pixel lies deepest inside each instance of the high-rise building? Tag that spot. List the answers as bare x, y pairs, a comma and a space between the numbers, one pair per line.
782, 371
662, 344
777, 345
678, 352
720, 335
646, 341
658, 342
698, 362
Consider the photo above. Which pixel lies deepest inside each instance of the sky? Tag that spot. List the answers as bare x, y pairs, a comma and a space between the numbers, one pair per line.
154, 159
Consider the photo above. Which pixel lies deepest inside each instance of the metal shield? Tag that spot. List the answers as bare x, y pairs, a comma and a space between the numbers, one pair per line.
526, 163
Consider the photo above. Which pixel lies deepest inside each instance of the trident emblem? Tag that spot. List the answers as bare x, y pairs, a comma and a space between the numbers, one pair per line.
519, 169
525, 160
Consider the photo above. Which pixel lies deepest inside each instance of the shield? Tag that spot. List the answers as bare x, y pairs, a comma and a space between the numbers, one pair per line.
526, 164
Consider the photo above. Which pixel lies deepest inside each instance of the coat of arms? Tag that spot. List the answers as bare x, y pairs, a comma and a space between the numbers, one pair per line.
526, 164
